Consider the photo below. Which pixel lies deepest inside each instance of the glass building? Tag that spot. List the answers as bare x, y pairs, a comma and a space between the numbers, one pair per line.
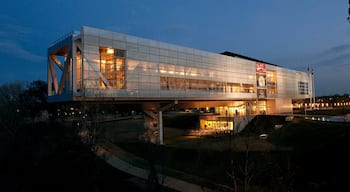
95, 64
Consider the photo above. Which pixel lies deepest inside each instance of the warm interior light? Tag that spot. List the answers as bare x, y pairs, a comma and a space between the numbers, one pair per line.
110, 51
119, 63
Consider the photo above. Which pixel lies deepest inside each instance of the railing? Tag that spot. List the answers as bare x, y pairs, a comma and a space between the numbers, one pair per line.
72, 33
344, 119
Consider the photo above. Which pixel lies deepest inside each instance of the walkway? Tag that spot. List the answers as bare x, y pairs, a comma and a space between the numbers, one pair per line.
120, 159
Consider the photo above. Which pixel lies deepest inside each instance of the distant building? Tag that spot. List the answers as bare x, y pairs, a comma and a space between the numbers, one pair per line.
95, 64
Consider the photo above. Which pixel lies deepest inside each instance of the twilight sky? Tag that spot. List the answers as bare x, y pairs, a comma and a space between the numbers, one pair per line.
289, 33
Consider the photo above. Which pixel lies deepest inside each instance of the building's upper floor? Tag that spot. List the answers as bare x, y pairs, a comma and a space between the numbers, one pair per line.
95, 63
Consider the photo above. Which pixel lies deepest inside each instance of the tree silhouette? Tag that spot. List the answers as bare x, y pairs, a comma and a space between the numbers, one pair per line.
34, 98
10, 107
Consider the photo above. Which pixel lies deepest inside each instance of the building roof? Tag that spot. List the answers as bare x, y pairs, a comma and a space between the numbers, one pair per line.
227, 53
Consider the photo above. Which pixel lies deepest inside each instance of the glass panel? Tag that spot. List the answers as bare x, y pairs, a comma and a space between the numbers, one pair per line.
303, 88
78, 71
248, 88
173, 83
271, 82
120, 68
112, 66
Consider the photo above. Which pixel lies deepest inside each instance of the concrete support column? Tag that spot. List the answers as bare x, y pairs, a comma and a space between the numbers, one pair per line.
160, 127
154, 127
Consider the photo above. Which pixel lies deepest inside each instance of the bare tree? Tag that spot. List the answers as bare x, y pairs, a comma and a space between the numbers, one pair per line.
10, 108
242, 172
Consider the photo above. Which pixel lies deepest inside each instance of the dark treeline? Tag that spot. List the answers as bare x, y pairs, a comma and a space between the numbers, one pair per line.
46, 155
19, 100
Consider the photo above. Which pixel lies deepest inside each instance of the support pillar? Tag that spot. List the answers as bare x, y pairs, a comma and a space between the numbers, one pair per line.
153, 124
160, 127
154, 127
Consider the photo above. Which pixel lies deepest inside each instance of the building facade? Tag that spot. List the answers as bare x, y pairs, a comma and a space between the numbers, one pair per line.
94, 64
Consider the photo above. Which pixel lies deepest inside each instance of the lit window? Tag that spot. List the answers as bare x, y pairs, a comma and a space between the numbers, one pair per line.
112, 66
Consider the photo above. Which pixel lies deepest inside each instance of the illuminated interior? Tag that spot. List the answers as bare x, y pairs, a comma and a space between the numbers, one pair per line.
173, 83
271, 81
112, 67
78, 71
217, 124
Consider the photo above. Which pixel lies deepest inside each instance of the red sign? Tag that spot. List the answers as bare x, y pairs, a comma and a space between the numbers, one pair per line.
260, 67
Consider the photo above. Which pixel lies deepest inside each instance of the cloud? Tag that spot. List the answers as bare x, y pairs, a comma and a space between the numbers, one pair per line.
336, 56
10, 30
331, 67
338, 60
13, 36
339, 48
15, 49
332, 70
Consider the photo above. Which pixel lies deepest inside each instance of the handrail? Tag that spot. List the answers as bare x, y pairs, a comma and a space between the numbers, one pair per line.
72, 33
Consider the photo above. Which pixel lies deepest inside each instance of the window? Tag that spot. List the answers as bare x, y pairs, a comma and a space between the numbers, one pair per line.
271, 82
303, 88
79, 70
248, 88
112, 66
173, 83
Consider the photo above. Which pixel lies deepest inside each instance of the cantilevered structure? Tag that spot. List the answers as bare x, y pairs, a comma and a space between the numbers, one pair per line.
95, 64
